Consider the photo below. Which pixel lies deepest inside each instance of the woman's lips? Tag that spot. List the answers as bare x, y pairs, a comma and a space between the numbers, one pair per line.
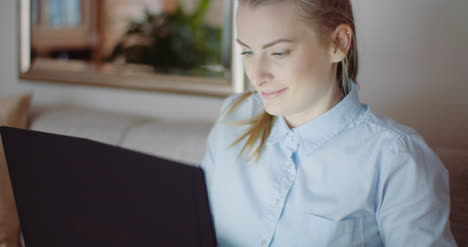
273, 94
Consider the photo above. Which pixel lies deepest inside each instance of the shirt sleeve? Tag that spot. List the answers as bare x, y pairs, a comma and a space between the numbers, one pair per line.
413, 201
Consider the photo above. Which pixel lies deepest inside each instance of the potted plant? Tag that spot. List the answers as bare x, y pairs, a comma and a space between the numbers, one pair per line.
175, 42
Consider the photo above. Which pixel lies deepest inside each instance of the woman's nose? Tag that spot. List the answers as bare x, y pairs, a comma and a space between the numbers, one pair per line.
260, 74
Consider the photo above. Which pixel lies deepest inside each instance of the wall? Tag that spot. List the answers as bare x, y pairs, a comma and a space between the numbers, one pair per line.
412, 69
413, 64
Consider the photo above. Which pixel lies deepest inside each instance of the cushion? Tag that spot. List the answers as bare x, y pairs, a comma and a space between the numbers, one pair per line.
179, 141
14, 113
456, 162
106, 127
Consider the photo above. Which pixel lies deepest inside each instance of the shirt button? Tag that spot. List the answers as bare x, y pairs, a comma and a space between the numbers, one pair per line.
291, 165
263, 242
277, 202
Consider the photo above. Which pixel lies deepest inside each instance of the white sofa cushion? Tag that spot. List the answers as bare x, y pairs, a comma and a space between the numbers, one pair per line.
179, 141
104, 127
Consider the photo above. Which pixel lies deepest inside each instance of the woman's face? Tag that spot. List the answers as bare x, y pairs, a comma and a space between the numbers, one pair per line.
285, 62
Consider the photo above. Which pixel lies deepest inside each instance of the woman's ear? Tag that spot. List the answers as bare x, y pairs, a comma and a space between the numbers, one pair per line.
341, 40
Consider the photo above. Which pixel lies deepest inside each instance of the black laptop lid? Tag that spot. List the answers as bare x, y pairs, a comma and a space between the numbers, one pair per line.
77, 192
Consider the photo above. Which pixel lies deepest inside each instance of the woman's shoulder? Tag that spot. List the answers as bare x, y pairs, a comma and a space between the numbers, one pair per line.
242, 106
386, 124
397, 136
392, 147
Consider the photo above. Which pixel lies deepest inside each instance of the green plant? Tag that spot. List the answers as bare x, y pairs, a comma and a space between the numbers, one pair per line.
172, 41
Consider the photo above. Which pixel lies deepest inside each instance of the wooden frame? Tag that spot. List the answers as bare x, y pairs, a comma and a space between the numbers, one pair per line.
77, 72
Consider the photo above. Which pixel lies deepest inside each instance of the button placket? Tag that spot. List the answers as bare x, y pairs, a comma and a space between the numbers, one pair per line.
291, 170
272, 212
282, 183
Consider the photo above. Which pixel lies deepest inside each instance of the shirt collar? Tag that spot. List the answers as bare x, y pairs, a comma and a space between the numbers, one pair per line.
315, 132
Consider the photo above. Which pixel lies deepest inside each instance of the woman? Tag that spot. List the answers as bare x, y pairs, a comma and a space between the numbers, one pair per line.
301, 162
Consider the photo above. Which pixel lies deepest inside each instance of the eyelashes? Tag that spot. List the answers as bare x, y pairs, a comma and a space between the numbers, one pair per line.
279, 54
275, 54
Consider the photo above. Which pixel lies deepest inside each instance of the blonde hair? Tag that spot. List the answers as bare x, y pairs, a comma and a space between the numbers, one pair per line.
325, 16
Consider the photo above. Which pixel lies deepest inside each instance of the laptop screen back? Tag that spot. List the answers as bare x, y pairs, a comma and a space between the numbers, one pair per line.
76, 192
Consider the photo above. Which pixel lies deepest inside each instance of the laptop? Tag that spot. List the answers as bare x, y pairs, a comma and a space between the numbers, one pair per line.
77, 192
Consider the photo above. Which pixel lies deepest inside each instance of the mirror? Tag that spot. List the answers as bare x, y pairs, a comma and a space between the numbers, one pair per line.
181, 46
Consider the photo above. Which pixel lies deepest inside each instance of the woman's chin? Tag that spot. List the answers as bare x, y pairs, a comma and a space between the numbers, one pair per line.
273, 110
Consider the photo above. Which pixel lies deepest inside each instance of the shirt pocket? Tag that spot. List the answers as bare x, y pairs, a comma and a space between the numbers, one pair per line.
322, 231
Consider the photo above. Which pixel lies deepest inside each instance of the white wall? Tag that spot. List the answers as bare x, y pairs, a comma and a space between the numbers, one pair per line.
413, 65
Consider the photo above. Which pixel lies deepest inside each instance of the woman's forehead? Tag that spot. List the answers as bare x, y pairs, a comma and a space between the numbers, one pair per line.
269, 22
275, 13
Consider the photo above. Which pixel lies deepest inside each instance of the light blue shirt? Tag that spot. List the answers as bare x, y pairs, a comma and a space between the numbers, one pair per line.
347, 178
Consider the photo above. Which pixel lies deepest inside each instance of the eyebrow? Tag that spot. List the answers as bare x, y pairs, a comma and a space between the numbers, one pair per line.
272, 43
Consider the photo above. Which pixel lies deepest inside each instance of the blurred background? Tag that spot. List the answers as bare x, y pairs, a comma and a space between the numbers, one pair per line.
413, 64
168, 36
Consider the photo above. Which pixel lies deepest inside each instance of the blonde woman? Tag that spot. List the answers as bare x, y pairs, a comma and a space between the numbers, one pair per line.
300, 161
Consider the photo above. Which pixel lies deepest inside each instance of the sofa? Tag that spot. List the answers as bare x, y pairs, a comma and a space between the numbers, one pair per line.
185, 142
180, 141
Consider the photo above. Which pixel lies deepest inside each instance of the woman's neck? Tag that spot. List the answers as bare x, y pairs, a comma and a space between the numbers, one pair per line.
324, 104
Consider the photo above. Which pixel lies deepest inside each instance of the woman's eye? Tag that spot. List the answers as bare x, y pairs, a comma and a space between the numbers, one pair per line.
277, 54
280, 54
